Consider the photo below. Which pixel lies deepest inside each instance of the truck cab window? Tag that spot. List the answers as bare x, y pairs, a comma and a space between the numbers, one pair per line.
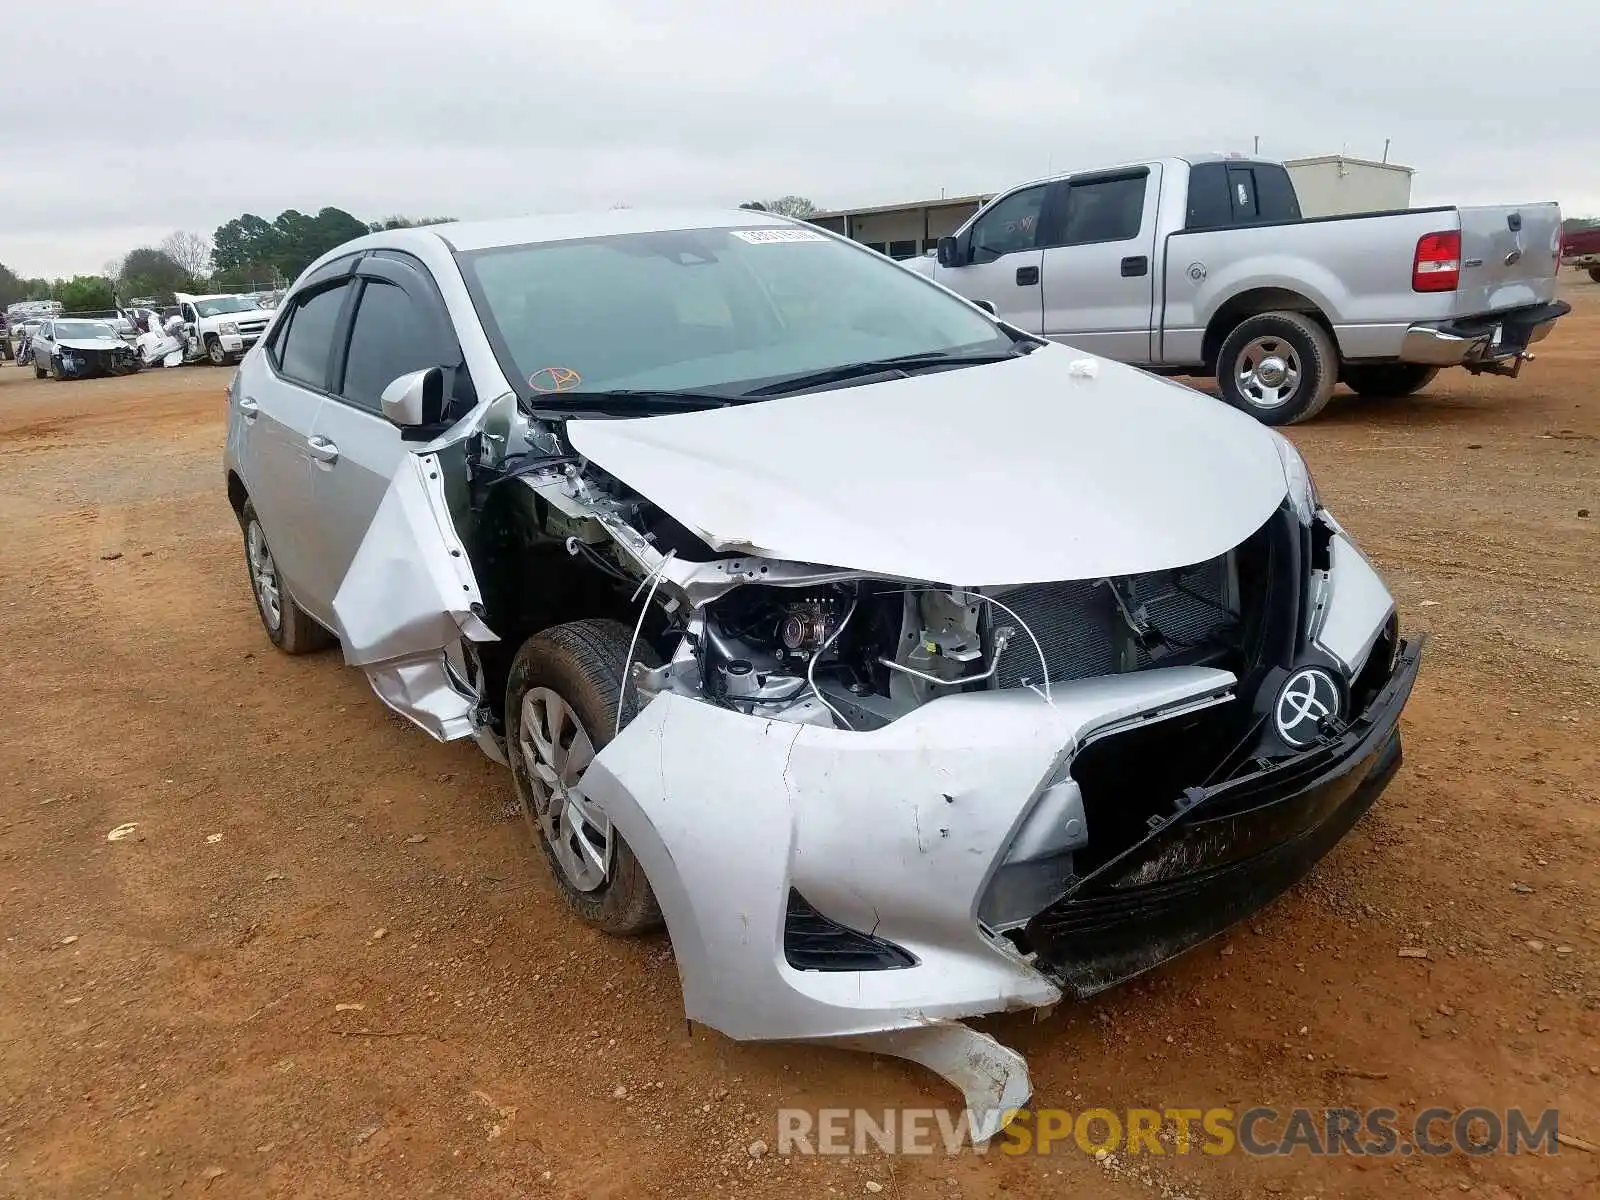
1209, 207
1099, 210
1011, 225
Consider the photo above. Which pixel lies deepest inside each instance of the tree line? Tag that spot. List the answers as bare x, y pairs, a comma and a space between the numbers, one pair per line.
246, 254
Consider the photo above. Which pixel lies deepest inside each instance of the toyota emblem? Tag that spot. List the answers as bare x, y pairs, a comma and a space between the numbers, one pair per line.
1307, 699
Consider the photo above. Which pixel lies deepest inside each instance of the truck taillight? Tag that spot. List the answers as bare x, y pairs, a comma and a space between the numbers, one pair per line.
1437, 265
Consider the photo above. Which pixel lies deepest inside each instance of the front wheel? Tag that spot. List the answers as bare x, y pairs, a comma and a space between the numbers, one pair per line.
1388, 379
215, 352
1279, 367
565, 687
1594, 274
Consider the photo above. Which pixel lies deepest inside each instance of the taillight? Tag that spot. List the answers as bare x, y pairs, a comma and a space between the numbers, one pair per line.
1437, 266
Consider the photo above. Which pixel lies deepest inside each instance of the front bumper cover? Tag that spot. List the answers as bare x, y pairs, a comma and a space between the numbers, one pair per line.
1230, 850
896, 834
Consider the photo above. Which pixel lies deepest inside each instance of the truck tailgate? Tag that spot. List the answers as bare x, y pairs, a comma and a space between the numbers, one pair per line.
1509, 256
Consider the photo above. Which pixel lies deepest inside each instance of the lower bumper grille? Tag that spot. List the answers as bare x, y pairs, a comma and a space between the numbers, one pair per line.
1237, 846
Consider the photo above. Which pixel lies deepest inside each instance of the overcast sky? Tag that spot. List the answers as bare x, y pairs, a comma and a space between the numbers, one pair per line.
122, 122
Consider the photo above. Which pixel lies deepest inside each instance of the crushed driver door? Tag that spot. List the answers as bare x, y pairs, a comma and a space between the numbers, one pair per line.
408, 611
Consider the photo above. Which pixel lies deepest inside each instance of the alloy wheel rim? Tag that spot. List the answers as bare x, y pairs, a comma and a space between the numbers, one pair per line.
264, 577
1267, 372
556, 750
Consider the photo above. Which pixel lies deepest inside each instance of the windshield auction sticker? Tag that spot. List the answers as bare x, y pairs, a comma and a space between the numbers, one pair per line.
762, 237
554, 379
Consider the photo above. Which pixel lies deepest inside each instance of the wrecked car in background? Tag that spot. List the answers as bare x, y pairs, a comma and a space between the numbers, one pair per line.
908, 666
68, 348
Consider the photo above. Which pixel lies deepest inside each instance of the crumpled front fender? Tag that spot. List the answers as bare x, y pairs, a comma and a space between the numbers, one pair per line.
893, 832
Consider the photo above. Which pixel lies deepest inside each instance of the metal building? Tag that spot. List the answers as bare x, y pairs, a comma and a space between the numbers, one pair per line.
902, 230
1331, 184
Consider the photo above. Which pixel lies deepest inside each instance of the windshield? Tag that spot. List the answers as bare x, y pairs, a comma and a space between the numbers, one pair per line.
707, 309
83, 329
219, 305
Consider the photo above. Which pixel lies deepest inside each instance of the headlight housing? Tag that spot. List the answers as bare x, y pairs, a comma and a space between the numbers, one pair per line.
1302, 490
229, 327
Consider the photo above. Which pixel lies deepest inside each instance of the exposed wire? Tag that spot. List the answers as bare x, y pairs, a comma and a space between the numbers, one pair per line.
811, 667
1044, 667
654, 580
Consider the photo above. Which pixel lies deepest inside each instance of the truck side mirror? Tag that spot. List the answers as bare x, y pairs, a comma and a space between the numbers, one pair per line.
950, 252
416, 399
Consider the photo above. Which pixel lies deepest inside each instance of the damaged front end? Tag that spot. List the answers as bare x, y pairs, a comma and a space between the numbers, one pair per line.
870, 806
87, 360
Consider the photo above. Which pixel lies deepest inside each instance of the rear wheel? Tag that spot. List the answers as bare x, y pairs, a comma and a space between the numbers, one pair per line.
38, 371
290, 629
1388, 379
562, 697
1278, 367
1594, 274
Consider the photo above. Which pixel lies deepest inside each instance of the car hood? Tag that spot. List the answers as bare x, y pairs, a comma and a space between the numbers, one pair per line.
1046, 467
95, 343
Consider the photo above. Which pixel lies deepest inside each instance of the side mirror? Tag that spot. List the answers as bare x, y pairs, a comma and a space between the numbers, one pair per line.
415, 399
949, 252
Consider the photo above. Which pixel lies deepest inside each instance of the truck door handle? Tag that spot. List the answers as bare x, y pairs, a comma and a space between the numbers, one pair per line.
1027, 276
322, 449
1135, 266
249, 407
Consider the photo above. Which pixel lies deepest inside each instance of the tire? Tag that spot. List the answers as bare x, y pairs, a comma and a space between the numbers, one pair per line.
1594, 274
38, 371
215, 354
1388, 379
286, 623
580, 665
1262, 346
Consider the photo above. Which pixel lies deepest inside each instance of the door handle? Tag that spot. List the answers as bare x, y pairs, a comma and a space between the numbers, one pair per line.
1027, 276
249, 407
322, 449
1135, 266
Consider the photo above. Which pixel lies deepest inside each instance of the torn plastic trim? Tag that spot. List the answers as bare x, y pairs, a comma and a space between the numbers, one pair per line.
894, 831
992, 1078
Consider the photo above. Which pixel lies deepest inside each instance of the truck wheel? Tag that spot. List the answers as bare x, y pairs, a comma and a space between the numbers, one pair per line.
1279, 367
1594, 274
38, 371
215, 352
1389, 379
562, 696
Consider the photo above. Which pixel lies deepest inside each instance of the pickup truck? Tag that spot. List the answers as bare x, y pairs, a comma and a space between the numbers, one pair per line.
1581, 249
1204, 265
221, 328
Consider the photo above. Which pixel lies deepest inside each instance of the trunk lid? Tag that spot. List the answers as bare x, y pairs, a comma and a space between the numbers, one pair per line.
1509, 256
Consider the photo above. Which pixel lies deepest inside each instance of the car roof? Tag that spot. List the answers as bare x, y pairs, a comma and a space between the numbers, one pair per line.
561, 227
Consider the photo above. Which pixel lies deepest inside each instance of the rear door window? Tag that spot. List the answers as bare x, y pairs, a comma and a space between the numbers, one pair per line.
1098, 210
1208, 197
307, 347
